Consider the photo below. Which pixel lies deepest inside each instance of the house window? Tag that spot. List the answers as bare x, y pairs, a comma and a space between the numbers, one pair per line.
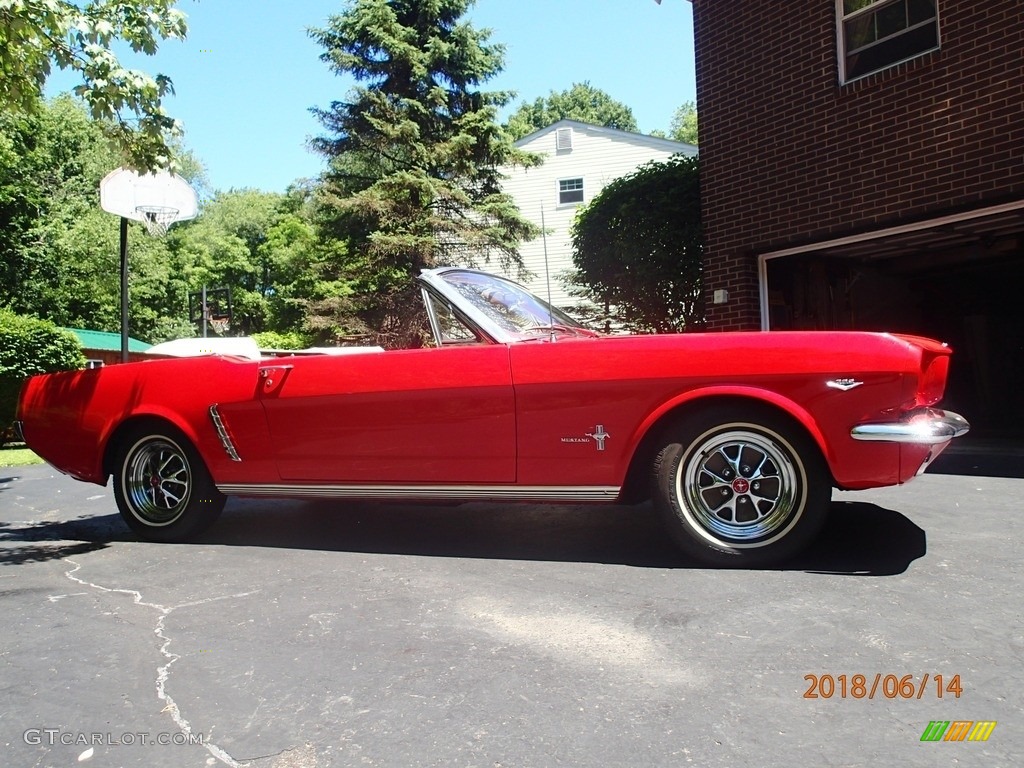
570, 191
876, 34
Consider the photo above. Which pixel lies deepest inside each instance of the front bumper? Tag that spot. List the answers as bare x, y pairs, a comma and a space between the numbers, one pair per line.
921, 426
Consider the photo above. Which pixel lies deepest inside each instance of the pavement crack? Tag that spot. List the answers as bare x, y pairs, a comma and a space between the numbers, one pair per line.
164, 671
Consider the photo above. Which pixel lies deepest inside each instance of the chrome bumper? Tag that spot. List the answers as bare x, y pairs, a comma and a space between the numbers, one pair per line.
923, 426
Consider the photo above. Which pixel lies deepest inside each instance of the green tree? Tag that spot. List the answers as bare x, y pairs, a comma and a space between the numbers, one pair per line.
51, 162
415, 155
34, 34
58, 250
581, 102
637, 247
224, 248
260, 245
684, 124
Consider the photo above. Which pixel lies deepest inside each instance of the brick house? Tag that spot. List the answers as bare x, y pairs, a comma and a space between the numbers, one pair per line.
862, 166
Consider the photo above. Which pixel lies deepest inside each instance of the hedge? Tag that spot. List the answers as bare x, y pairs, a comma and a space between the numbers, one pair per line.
29, 346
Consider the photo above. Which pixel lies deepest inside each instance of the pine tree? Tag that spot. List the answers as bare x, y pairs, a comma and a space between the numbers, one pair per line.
415, 151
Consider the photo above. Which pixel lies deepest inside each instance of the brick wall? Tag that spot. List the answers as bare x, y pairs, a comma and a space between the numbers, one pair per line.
789, 156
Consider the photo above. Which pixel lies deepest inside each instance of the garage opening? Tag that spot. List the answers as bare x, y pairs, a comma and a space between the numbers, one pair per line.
959, 283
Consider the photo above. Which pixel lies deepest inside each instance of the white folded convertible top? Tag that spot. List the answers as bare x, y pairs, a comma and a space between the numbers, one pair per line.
242, 346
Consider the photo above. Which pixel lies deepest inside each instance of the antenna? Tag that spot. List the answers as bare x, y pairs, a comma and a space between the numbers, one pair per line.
547, 273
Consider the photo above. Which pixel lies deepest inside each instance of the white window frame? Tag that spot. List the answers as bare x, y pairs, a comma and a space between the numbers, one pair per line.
581, 189
842, 17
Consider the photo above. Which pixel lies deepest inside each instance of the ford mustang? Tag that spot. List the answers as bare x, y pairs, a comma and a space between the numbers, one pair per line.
737, 438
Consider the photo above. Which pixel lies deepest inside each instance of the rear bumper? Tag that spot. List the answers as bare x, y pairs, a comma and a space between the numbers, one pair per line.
921, 426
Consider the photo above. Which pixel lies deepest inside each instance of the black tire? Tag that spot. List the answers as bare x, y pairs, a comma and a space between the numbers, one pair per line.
740, 486
163, 489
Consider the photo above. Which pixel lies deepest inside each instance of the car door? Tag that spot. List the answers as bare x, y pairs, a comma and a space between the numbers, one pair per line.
397, 417
580, 402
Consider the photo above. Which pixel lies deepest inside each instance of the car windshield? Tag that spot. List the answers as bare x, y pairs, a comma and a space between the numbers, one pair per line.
512, 307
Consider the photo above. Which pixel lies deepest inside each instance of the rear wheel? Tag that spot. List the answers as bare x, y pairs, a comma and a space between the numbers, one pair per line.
740, 486
162, 487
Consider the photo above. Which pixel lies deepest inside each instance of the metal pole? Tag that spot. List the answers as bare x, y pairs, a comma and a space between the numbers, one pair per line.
547, 274
205, 313
124, 290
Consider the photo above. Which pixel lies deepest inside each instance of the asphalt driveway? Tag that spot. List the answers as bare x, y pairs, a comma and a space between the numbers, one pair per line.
301, 635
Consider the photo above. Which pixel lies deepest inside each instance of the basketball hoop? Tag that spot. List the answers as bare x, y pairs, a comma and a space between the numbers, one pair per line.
157, 200
157, 218
219, 324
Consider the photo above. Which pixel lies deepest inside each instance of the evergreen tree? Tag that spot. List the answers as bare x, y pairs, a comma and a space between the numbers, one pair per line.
415, 153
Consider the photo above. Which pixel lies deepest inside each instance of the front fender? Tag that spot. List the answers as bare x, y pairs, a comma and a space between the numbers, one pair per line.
749, 394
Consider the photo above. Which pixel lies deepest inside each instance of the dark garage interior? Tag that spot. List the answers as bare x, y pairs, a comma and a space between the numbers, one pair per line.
961, 285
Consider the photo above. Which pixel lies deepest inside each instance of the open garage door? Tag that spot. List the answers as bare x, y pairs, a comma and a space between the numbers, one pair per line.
959, 281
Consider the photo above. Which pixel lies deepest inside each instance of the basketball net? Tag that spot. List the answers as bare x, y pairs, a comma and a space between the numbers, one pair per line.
157, 218
219, 325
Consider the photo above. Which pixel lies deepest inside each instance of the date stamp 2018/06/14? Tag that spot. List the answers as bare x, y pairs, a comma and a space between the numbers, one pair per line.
889, 686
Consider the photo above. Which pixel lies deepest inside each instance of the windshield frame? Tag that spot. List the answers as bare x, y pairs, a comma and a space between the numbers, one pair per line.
500, 309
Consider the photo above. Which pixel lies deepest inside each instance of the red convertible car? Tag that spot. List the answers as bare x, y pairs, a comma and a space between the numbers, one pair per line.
737, 437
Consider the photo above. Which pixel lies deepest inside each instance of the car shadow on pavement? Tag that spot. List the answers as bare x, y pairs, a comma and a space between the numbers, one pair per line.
861, 539
858, 538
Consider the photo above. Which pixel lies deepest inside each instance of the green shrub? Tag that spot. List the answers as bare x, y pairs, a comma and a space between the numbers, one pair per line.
29, 346
275, 340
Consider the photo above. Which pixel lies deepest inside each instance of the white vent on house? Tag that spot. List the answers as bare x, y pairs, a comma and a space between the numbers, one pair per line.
563, 139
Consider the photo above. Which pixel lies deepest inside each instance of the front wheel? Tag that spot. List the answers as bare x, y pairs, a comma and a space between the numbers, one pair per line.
739, 487
162, 487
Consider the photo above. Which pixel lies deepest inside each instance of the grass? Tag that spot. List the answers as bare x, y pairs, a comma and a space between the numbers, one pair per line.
17, 456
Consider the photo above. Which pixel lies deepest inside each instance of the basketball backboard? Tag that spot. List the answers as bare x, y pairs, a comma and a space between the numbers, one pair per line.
156, 199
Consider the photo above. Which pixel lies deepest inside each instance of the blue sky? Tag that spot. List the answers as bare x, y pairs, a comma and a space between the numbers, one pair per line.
248, 73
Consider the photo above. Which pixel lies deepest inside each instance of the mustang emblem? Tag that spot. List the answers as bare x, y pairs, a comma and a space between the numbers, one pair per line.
600, 436
844, 385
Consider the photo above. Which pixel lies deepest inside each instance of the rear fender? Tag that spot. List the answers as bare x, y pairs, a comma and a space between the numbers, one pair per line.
115, 429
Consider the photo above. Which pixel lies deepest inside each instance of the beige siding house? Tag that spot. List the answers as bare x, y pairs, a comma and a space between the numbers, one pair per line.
579, 160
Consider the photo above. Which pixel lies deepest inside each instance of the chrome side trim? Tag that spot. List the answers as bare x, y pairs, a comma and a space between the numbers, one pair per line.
924, 426
427, 492
435, 326
222, 432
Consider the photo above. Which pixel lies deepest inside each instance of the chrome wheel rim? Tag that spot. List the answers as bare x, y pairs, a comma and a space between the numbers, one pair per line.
740, 487
157, 481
